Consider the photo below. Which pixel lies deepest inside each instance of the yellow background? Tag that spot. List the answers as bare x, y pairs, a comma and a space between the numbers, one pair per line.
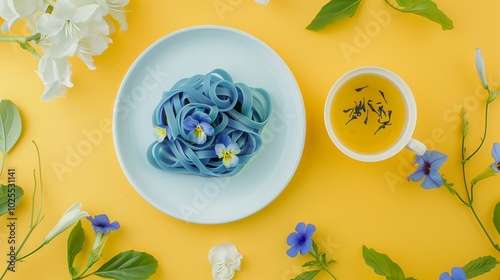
351, 203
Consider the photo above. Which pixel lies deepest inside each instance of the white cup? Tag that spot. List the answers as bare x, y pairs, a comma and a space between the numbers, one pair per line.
405, 139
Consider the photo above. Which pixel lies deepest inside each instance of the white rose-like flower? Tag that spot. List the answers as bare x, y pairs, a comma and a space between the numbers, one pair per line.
262, 2
72, 215
225, 259
55, 74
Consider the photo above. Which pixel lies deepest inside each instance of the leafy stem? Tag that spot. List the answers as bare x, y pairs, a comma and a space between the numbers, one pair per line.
465, 159
34, 222
496, 246
319, 261
485, 126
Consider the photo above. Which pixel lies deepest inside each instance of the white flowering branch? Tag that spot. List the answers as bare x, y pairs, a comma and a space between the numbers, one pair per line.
62, 29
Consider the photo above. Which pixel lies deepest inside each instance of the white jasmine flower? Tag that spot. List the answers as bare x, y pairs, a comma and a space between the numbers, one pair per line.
115, 8
89, 46
64, 27
225, 259
72, 215
55, 74
262, 2
13, 10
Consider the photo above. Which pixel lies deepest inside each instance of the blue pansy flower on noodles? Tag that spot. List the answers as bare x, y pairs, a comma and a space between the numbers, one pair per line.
198, 127
227, 150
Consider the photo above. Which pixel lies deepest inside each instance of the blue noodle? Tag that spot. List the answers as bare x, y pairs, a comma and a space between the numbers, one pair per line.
233, 109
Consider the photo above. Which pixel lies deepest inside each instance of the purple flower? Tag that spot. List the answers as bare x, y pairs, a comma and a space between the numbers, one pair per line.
301, 240
495, 152
457, 273
428, 165
227, 150
101, 224
198, 127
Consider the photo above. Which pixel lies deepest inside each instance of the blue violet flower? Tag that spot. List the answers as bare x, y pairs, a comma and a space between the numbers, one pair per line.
101, 224
227, 150
300, 240
457, 273
198, 127
495, 152
428, 166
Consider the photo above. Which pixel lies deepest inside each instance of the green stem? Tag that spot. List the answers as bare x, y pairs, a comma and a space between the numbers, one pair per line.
13, 39
485, 128
461, 199
31, 253
328, 271
484, 229
394, 7
34, 223
464, 175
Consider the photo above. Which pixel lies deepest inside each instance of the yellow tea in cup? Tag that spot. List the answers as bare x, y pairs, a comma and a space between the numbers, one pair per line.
368, 114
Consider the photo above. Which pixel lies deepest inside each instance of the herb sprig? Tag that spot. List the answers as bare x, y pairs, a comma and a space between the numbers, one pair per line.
337, 10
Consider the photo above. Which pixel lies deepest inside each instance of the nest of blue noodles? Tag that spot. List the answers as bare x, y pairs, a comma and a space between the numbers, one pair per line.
208, 125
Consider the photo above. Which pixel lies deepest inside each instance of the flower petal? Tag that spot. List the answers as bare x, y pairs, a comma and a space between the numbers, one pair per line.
432, 181
201, 117
310, 229
197, 136
234, 148
301, 228
207, 128
189, 123
436, 159
480, 67
445, 276
293, 251
458, 273
293, 238
417, 176
49, 25
495, 152
306, 247
230, 160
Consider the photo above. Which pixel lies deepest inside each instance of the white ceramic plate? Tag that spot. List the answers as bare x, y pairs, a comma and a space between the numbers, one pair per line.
198, 50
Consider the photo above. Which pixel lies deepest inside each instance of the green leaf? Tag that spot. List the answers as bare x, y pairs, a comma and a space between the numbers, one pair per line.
310, 263
480, 266
382, 264
307, 275
129, 265
332, 12
10, 125
427, 9
7, 196
448, 185
496, 217
76, 240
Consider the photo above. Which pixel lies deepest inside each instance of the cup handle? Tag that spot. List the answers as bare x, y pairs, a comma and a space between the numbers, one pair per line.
416, 146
